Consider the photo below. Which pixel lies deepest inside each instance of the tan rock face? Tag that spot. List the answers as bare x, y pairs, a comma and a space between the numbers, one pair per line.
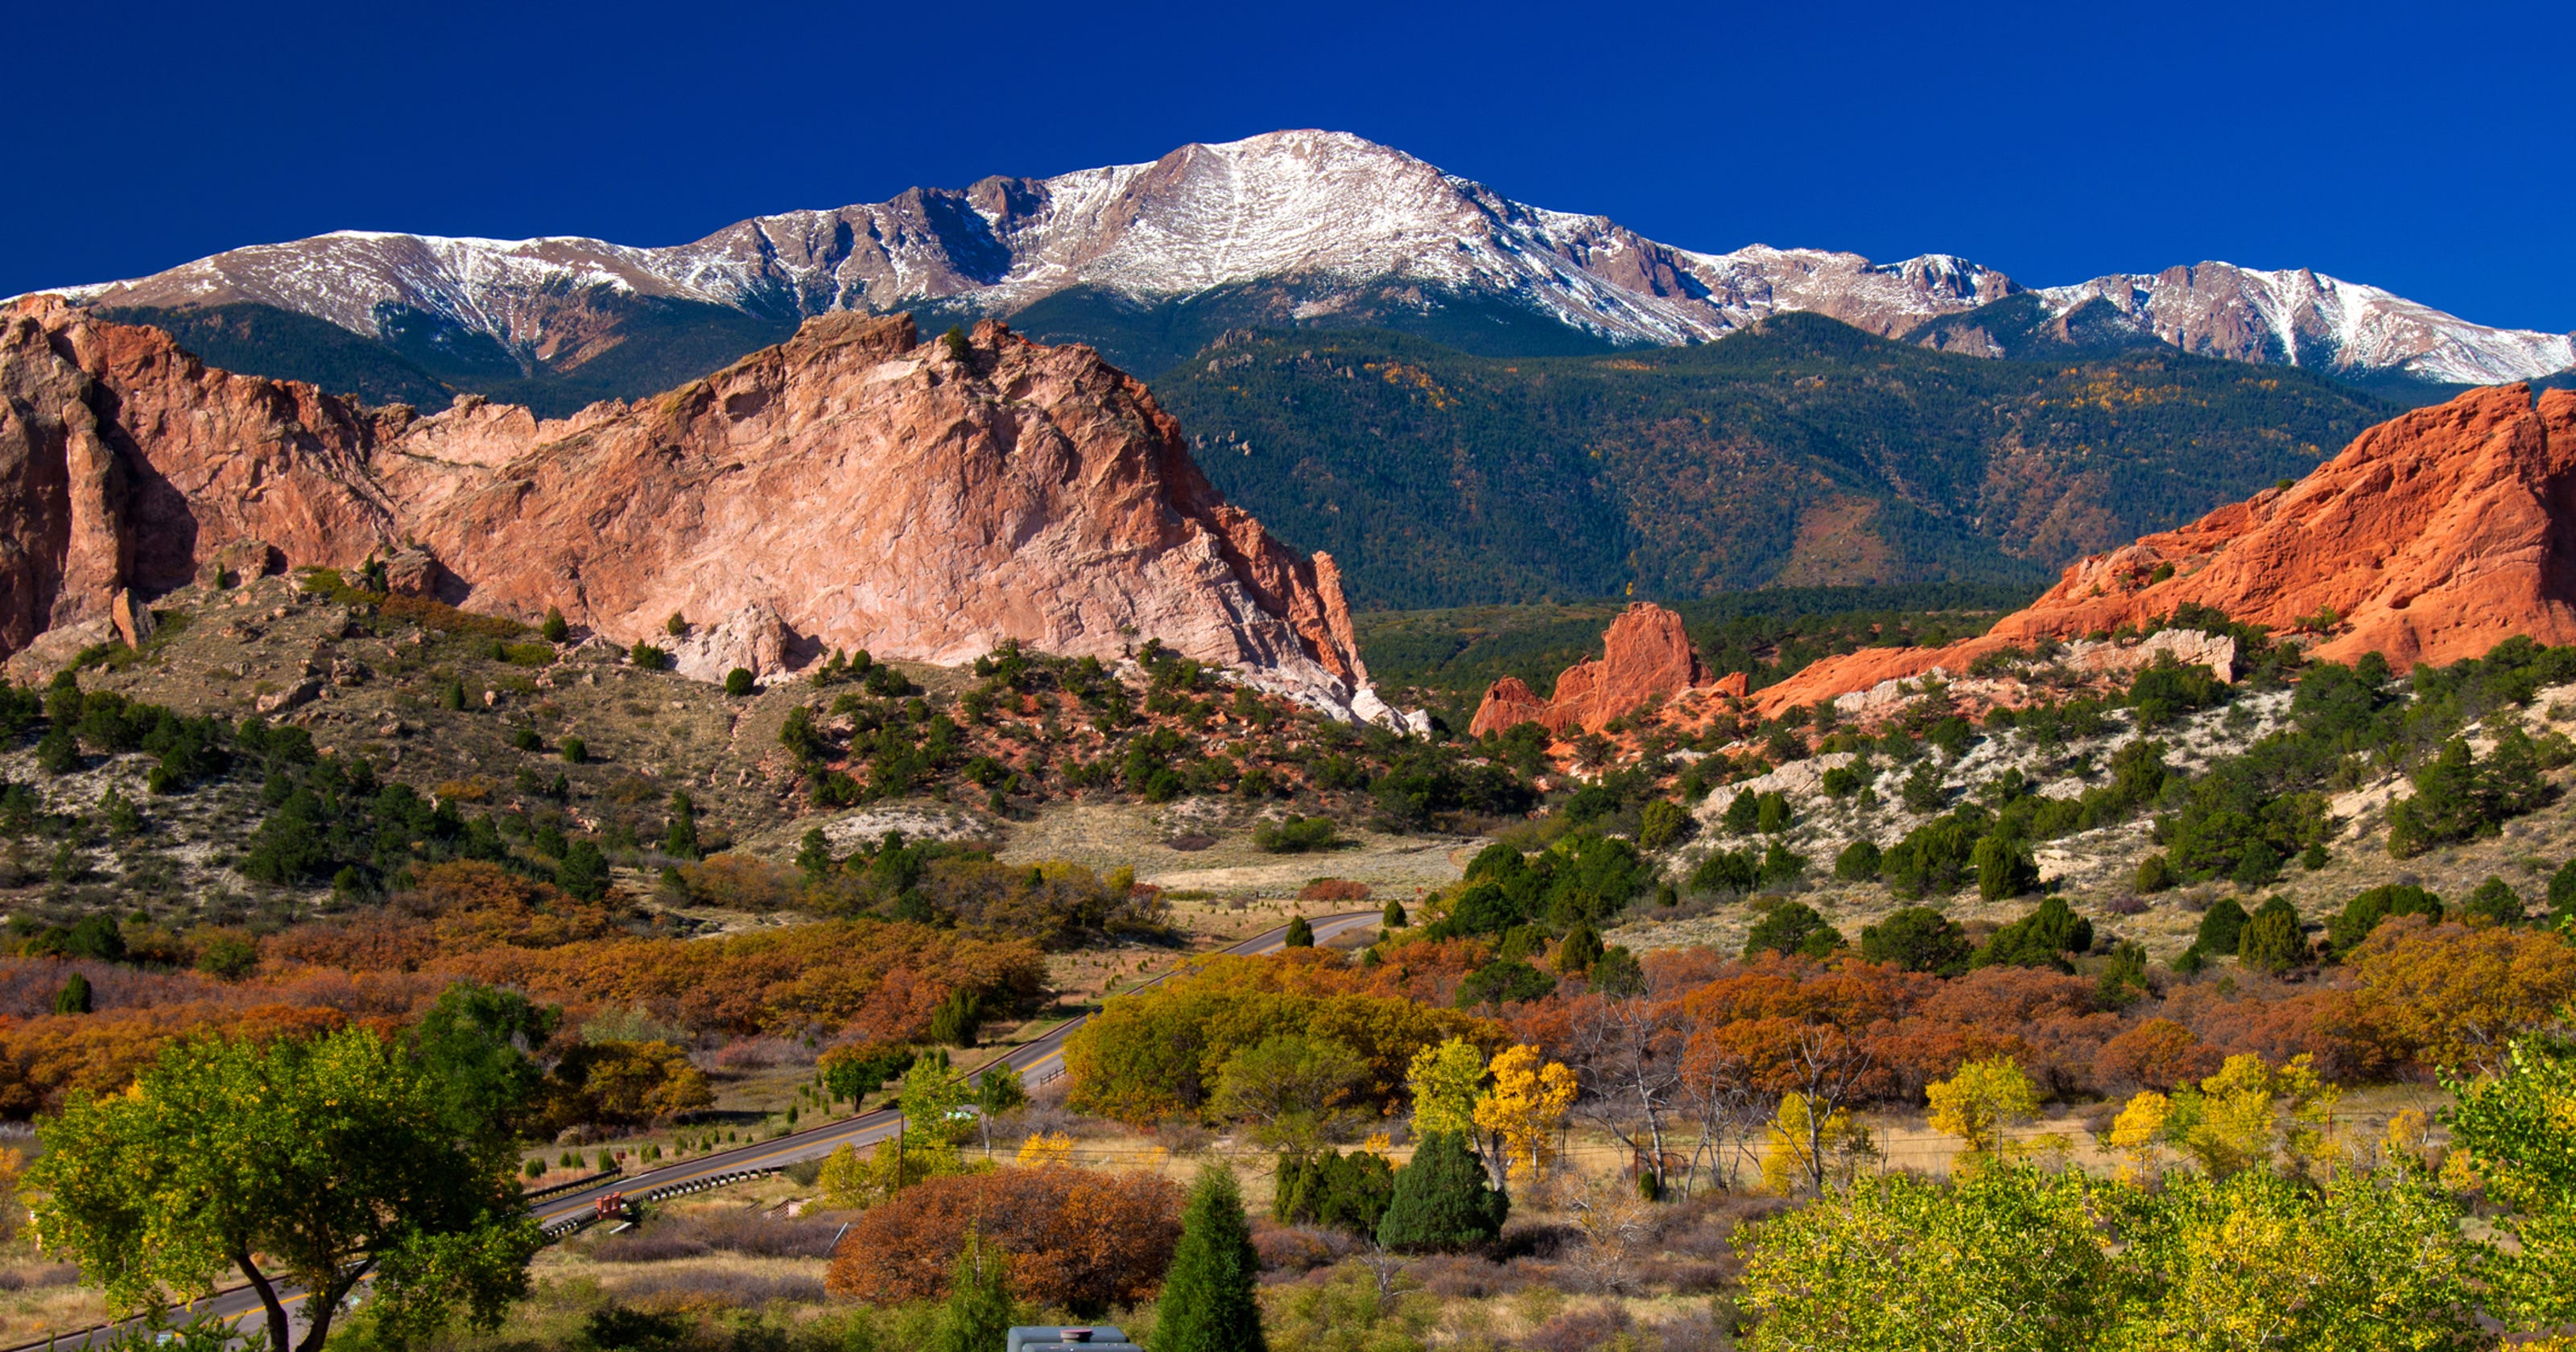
2431, 538
1645, 655
847, 489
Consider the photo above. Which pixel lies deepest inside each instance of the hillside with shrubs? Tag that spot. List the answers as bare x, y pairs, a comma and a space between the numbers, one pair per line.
1722, 1024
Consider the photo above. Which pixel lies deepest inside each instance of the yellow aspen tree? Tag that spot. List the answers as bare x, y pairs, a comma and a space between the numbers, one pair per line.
1046, 1148
1527, 1104
1445, 1081
2234, 1120
2137, 1134
1981, 1104
1797, 1151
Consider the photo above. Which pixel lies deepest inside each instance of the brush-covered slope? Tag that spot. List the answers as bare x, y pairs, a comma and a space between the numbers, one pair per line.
1804, 452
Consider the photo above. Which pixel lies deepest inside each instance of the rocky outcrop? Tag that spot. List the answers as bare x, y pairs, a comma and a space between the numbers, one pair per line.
753, 638
1645, 656
2431, 538
850, 488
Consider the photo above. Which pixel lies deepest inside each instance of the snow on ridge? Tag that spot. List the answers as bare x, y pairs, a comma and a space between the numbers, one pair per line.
1319, 208
2218, 308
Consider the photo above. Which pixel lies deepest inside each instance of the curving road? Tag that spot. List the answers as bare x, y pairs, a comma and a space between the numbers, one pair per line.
1036, 1061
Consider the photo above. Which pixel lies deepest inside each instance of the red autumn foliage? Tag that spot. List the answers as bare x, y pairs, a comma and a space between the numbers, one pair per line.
2156, 1054
1078, 1239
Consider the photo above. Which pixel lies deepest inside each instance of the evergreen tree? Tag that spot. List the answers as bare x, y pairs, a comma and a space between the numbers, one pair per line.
1618, 974
1920, 939
2004, 868
2562, 892
73, 998
1793, 927
2039, 939
977, 1316
2496, 901
681, 838
814, 855
2271, 941
1395, 918
1581, 949
554, 630
1441, 1200
58, 751
583, 872
1209, 1302
2220, 927
1300, 934
957, 1019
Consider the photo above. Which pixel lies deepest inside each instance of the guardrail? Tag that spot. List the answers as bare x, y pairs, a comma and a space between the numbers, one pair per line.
574, 1186
581, 1220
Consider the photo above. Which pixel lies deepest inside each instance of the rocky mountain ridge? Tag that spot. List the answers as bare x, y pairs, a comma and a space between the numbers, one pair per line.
1327, 223
849, 489
2433, 537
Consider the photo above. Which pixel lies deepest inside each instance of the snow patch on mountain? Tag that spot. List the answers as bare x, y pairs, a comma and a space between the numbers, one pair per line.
2302, 318
1325, 211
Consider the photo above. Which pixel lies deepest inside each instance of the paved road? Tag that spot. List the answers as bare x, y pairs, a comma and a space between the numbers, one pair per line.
1036, 1061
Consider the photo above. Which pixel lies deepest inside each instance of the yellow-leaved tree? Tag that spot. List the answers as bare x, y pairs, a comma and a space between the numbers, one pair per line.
2238, 1117
1799, 1152
1444, 1081
2138, 1133
1980, 1105
1526, 1106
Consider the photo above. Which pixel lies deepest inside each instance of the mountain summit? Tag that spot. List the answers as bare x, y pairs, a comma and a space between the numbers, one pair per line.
1288, 228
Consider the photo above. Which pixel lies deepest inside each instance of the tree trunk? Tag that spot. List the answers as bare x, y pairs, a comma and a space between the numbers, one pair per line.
280, 1334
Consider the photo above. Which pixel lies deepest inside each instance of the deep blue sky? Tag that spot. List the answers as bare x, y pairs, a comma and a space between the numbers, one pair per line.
2423, 148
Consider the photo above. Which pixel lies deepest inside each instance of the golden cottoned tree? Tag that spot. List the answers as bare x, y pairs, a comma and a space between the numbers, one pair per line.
311, 1164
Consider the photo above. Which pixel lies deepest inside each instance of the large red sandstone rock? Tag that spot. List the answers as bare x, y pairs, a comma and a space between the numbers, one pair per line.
849, 488
2430, 538
1645, 655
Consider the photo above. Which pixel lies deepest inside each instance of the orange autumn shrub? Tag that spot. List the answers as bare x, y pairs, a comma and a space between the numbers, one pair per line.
2157, 1054
43, 1059
2451, 996
861, 978
1078, 1239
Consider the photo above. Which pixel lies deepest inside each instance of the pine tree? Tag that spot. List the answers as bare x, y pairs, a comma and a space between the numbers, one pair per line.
977, 1317
1441, 1201
1300, 934
957, 1019
1209, 1304
1395, 918
2271, 941
1581, 949
74, 997
681, 837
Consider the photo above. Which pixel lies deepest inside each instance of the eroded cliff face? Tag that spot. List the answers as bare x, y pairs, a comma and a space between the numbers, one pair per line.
1645, 656
850, 488
2431, 538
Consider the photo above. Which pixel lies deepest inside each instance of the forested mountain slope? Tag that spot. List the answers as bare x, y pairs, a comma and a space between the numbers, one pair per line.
1799, 452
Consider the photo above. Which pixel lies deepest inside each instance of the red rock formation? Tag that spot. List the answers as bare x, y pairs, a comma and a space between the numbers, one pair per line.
1508, 703
2433, 536
1644, 655
847, 489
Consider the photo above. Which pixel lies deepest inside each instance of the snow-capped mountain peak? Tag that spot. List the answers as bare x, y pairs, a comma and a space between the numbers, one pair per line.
1321, 211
